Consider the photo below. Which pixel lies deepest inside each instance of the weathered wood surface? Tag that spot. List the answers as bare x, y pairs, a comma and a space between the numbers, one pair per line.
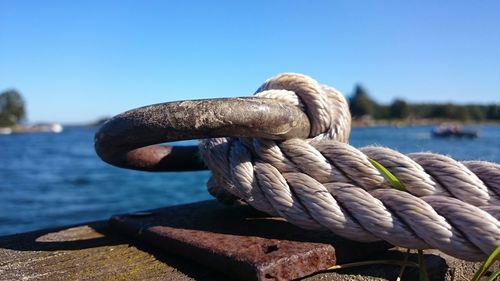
86, 252
92, 252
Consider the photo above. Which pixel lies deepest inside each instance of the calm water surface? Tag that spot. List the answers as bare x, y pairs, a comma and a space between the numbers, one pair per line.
56, 179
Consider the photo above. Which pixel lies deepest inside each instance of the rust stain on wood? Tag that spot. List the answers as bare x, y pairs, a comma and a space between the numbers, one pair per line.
241, 242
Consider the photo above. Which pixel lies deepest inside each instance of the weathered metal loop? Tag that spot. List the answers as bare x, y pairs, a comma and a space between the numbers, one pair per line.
131, 139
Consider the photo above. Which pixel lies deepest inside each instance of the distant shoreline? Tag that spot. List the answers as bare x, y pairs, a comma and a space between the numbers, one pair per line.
365, 123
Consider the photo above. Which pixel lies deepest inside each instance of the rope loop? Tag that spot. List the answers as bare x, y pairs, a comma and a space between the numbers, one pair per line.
321, 182
285, 152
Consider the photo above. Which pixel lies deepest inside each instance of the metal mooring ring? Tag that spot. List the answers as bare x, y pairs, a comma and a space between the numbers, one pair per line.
131, 139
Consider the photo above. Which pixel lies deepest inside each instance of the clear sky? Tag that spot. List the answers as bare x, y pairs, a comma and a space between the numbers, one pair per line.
74, 61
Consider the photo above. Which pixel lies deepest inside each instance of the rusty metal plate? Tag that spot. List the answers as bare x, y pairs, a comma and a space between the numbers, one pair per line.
241, 242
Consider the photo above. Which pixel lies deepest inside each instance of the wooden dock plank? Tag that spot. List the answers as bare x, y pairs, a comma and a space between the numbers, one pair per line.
92, 252
88, 252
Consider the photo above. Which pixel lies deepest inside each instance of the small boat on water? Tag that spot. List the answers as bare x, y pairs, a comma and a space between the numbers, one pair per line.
36, 128
5, 131
46, 128
453, 131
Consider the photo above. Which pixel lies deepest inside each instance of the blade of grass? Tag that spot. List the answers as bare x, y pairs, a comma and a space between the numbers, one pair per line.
372, 262
405, 261
393, 180
422, 272
487, 263
494, 275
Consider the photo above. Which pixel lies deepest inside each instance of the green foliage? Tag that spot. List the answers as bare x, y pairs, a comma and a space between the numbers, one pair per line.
392, 179
381, 112
12, 109
361, 105
399, 109
493, 112
476, 112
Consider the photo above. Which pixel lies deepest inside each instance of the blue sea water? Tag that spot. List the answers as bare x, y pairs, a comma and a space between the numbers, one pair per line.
51, 180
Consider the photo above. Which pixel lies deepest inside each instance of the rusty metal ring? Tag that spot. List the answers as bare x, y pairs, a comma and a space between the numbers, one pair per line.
131, 139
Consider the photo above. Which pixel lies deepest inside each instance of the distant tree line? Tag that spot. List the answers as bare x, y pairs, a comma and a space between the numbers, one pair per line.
12, 110
362, 105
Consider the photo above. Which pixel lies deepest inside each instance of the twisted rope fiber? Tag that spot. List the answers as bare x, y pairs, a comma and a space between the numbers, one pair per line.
324, 183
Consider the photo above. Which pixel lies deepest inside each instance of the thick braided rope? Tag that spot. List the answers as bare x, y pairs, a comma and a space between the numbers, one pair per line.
324, 183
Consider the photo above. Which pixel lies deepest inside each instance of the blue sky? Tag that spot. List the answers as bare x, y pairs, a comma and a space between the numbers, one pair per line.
74, 61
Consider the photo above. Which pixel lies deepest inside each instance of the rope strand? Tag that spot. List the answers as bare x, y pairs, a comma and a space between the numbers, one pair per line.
324, 183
